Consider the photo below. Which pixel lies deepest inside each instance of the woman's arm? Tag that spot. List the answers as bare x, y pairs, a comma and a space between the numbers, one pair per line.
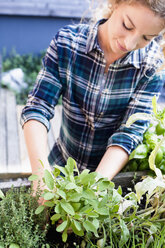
36, 141
114, 159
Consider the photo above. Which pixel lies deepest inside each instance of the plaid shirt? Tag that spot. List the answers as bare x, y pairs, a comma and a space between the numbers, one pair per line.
95, 103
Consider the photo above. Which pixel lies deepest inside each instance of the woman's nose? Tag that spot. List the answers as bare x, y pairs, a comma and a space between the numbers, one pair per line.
131, 43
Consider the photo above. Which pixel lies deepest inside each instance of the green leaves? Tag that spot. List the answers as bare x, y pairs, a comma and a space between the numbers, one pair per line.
95, 208
77, 225
89, 227
55, 217
154, 105
71, 164
153, 156
124, 233
33, 177
140, 152
14, 246
39, 209
1, 194
49, 180
89, 204
152, 141
149, 185
19, 225
62, 226
76, 231
81, 201
67, 207
136, 117
48, 196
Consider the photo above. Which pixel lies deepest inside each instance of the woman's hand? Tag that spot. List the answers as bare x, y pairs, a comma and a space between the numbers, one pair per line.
114, 159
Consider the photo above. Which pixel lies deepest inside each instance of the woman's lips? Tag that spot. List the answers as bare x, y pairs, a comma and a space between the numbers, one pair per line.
121, 47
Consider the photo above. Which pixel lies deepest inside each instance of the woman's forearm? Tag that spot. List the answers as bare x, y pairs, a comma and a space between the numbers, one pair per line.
36, 141
114, 159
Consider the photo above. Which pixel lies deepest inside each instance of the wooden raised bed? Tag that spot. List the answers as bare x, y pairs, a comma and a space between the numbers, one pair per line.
124, 179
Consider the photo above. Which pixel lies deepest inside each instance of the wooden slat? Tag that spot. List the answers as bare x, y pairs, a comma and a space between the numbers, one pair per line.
127, 179
4, 186
13, 152
3, 134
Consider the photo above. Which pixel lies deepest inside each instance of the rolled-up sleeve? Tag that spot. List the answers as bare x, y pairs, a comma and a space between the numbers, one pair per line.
141, 101
47, 90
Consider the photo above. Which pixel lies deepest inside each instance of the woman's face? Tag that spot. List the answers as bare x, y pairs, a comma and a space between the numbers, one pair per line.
130, 27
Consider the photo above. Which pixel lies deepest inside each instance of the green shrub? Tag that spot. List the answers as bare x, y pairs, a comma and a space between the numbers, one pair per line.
29, 63
18, 222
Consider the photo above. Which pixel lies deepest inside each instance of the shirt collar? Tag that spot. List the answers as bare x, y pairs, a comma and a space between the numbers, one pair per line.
135, 58
92, 40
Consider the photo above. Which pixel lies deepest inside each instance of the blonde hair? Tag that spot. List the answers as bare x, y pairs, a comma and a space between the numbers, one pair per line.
103, 9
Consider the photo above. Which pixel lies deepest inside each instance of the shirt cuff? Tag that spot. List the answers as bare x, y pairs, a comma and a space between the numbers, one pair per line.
123, 140
34, 116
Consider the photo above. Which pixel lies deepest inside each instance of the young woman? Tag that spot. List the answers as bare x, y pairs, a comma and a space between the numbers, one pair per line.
105, 74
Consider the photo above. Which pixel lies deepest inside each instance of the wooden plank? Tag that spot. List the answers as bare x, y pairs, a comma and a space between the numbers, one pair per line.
13, 152
127, 179
13, 175
4, 186
3, 134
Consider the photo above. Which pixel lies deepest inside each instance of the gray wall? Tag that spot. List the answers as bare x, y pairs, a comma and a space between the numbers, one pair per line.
29, 34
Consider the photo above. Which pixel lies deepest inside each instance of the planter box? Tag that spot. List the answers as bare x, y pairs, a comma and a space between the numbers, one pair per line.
6, 185
127, 179
123, 179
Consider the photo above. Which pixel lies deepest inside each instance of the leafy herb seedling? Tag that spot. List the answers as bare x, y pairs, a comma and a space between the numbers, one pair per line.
151, 153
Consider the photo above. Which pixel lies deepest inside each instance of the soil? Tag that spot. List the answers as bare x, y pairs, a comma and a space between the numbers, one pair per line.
54, 239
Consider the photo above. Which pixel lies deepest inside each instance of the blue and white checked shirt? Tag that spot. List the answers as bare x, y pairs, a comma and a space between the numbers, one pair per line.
95, 104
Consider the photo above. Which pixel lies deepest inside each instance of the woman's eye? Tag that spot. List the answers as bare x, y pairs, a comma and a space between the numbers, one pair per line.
126, 27
145, 38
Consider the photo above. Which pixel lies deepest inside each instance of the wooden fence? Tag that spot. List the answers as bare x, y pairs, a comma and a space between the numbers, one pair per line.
14, 161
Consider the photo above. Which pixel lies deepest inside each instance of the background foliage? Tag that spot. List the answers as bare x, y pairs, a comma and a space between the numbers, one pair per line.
29, 63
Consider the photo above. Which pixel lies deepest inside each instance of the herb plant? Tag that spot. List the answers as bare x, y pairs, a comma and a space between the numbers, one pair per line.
88, 205
92, 208
20, 227
151, 153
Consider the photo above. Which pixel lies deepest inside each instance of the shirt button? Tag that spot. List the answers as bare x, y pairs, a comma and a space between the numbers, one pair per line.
106, 90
